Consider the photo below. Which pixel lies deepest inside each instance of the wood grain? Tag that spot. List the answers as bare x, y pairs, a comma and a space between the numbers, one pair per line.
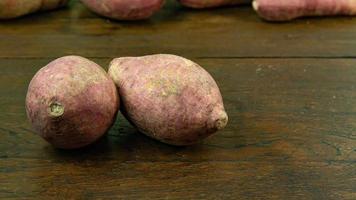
289, 90
232, 32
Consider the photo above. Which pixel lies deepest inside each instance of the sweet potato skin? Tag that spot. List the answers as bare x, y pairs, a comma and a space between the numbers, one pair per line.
169, 98
16, 8
71, 102
280, 10
199, 4
124, 9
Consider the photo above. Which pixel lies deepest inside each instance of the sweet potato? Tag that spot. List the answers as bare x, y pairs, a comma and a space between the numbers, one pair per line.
124, 9
169, 98
211, 3
71, 102
284, 10
17, 8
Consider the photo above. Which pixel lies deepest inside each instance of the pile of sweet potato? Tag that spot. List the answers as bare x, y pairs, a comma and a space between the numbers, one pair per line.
270, 10
72, 101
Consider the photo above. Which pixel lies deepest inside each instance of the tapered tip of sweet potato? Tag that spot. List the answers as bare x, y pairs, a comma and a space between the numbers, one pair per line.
222, 122
218, 119
255, 5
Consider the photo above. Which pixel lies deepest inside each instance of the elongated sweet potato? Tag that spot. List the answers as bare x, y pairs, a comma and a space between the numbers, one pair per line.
71, 102
211, 3
124, 9
17, 8
169, 98
284, 10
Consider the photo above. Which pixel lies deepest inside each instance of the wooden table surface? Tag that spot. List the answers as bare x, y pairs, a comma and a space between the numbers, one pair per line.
289, 90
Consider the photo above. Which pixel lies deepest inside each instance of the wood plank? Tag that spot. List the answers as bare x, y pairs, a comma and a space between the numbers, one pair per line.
228, 32
291, 135
107, 179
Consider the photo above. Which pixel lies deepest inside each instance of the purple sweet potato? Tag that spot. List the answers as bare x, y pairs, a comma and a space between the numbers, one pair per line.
17, 8
169, 98
283, 10
124, 9
71, 102
211, 3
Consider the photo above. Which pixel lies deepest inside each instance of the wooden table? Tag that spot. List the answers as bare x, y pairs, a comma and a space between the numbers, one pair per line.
289, 89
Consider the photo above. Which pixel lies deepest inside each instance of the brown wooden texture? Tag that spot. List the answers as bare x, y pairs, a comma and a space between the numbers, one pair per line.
289, 90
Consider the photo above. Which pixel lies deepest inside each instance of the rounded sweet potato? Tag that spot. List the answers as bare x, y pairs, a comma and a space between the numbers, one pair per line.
17, 8
124, 9
71, 102
211, 3
169, 98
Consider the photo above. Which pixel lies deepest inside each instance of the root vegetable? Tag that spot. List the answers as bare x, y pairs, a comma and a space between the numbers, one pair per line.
284, 10
124, 9
71, 102
17, 8
169, 98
